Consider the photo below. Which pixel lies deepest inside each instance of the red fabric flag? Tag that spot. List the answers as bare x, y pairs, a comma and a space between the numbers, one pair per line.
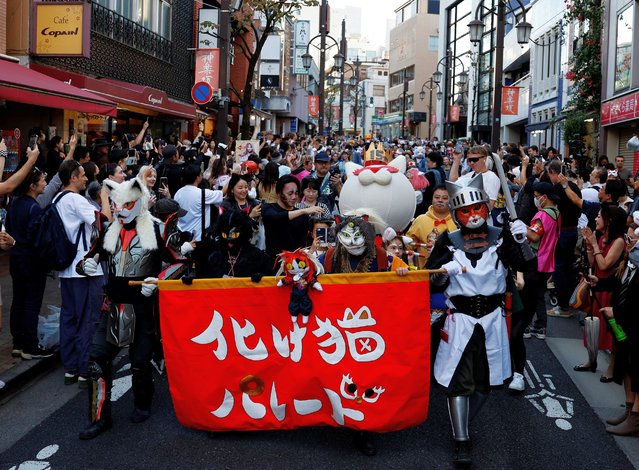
313, 105
235, 360
453, 114
510, 101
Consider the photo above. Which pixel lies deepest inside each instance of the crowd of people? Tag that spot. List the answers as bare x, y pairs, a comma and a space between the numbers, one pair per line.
218, 214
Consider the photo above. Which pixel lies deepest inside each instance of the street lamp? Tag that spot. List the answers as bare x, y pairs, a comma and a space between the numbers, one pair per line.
307, 59
359, 87
449, 64
476, 27
432, 84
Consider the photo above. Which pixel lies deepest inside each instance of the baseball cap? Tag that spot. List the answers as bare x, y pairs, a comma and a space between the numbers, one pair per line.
322, 157
167, 206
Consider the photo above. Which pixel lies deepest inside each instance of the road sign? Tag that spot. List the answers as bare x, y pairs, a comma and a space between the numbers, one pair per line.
201, 93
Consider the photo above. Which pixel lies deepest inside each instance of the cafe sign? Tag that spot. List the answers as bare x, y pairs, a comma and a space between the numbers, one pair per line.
61, 29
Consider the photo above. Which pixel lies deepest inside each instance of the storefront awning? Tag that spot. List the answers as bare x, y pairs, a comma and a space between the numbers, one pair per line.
24, 85
538, 126
261, 114
138, 98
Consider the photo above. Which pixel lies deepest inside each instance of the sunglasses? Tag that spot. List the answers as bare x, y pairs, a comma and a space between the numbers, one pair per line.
37, 172
473, 160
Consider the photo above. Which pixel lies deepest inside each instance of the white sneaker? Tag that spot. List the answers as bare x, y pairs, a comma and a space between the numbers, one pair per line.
517, 384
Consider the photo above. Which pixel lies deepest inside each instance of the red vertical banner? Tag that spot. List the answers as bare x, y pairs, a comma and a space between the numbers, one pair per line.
335, 112
235, 360
207, 67
313, 106
453, 113
510, 101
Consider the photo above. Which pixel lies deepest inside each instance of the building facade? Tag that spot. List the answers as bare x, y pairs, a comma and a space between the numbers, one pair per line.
413, 54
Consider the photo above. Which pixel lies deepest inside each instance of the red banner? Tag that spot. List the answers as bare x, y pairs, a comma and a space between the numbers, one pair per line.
235, 361
453, 113
313, 106
510, 101
207, 67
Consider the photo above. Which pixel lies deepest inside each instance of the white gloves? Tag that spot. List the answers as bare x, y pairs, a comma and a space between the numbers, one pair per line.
148, 289
452, 268
186, 248
90, 266
519, 230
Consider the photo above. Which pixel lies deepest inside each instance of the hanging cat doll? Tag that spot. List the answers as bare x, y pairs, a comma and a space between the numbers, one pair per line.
300, 270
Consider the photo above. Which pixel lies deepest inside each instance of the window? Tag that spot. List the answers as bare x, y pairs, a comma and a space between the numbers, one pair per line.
623, 51
433, 7
154, 15
124, 8
433, 43
386, 73
396, 78
409, 73
379, 90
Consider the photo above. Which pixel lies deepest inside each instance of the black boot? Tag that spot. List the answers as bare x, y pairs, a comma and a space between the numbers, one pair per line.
461, 454
143, 389
364, 443
99, 402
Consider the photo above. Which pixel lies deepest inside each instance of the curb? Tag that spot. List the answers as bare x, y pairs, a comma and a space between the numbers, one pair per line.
15, 377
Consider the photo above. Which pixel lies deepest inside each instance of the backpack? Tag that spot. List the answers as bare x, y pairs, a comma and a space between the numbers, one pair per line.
51, 243
437, 175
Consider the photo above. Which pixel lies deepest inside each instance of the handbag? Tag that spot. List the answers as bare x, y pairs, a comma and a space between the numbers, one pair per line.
580, 298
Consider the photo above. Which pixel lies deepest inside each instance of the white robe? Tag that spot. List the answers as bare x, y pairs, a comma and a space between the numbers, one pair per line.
487, 278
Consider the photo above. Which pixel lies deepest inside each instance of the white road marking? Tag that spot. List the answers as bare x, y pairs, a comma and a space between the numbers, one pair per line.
556, 407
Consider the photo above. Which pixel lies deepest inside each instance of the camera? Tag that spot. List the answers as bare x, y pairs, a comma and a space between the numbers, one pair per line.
335, 171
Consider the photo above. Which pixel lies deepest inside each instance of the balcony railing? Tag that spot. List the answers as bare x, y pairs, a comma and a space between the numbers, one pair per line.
114, 26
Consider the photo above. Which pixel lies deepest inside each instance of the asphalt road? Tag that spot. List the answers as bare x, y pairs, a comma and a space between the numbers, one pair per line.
550, 425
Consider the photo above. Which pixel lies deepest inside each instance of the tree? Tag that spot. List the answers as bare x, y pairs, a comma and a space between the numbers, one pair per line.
585, 65
252, 23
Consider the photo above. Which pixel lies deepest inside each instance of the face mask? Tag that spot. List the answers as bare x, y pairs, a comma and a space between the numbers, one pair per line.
538, 202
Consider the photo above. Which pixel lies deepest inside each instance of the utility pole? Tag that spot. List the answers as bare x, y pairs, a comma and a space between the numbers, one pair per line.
343, 51
322, 65
223, 111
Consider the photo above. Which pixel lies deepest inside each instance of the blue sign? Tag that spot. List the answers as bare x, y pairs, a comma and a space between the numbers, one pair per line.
293, 124
201, 93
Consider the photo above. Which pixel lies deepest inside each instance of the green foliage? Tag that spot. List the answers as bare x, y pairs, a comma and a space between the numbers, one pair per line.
585, 66
574, 124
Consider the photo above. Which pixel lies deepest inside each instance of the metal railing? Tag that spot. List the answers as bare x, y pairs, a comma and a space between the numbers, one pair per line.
114, 26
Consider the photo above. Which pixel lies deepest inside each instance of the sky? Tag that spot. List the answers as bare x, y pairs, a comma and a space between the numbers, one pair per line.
375, 13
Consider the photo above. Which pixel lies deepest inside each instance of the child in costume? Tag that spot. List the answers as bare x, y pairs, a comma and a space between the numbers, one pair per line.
475, 318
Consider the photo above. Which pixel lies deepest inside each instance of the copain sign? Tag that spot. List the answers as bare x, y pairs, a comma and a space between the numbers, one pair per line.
61, 29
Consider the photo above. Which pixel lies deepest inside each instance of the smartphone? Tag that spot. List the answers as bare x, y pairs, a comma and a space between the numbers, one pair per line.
325, 236
164, 181
132, 158
458, 147
563, 169
322, 234
33, 141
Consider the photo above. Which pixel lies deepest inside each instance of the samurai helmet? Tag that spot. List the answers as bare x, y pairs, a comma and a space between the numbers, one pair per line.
465, 195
